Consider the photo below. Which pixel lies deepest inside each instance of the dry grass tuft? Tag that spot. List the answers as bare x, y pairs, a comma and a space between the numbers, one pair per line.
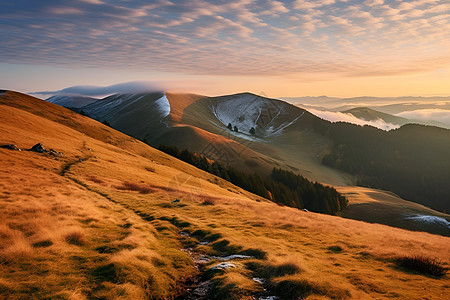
288, 288
208, 201
76, 238
13, 244
234, 286
424, 265
270, 271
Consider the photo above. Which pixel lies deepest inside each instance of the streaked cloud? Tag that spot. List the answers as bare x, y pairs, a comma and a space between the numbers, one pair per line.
349, 118
302, 40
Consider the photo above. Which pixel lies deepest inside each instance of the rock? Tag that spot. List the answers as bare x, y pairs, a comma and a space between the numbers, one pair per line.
259, 280
223, 266
55, 153
38, 148
11, 147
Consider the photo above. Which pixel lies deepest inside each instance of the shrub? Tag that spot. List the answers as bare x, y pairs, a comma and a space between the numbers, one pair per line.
208, 201
75, 238
300, 289
424, 265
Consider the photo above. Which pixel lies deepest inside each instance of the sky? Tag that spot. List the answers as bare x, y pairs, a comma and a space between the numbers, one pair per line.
341, 48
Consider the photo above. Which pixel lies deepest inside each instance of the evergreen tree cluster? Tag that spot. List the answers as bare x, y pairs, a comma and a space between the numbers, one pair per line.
283, 187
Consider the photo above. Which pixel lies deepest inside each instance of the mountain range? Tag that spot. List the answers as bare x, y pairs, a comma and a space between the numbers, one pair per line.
91, 212
254, 134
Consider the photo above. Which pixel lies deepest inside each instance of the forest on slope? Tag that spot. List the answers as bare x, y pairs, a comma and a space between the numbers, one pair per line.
283, 187
412, 161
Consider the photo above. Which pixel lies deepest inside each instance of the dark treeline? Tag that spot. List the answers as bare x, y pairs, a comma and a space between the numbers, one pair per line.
283, 187
412, 161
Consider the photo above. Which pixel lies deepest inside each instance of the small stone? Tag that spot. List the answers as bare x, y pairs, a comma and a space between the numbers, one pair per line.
38, 148
223, 266
55, 153
11, 147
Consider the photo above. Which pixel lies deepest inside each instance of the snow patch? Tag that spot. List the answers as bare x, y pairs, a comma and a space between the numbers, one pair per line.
163, 105
430, 219
267, 117
230, 257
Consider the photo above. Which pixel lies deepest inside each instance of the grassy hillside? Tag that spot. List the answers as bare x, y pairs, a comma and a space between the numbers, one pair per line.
97, 222
378, 206
283, 187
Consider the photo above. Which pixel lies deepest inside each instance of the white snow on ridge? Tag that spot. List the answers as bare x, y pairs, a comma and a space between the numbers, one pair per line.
124, 102
430, 219
247, 111
163, 105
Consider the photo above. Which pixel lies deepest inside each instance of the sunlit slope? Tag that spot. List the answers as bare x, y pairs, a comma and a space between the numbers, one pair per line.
377, 206
178, 102
97, 222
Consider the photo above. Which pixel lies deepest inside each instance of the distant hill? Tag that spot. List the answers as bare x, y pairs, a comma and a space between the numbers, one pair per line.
369, 114
419, 110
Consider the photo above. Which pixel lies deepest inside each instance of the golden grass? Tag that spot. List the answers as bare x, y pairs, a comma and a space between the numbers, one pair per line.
131, 244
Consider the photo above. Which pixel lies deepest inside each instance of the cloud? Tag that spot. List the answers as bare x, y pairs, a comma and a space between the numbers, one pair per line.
440, 115
349, 118
297, 40
94, 91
